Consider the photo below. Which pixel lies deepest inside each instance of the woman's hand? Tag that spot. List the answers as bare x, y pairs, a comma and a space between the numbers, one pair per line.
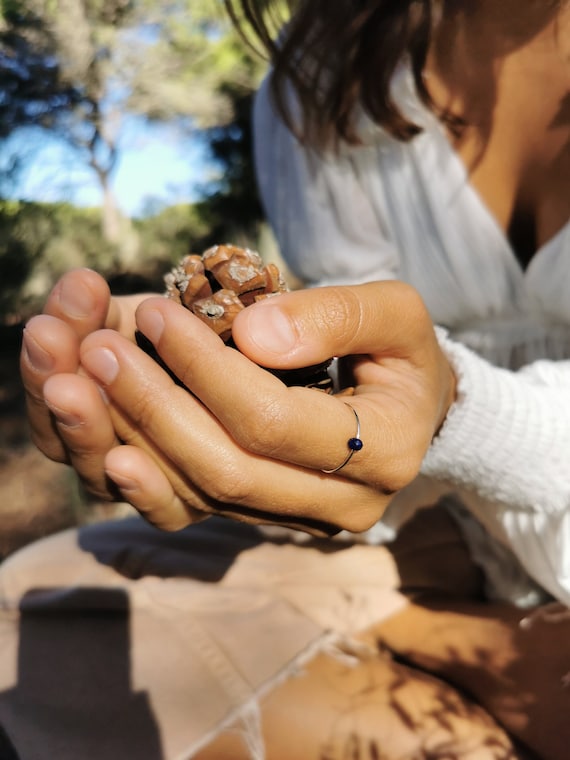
244, 445
69, 419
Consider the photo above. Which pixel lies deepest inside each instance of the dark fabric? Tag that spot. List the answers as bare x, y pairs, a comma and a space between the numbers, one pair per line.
7, 751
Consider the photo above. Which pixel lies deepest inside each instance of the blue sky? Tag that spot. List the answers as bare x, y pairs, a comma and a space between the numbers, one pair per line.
157, 167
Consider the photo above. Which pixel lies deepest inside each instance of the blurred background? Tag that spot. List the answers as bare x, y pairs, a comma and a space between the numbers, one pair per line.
124, 144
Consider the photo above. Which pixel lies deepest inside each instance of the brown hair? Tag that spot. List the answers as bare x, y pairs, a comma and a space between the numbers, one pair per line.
340, 54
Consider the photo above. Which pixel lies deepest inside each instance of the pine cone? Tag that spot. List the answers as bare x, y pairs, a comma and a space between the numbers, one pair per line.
222, 282
226, 279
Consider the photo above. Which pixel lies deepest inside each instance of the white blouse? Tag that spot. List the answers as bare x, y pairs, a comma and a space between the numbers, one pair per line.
408, 211
389, 209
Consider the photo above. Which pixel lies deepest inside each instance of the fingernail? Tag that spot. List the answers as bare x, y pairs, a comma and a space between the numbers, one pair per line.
76, 300
37, 356
68, 419
151, 324
102, 364
122, 482
271, 329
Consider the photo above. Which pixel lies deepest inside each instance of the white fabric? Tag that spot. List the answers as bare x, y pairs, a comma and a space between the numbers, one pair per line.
407, 210
506, 445
388, 210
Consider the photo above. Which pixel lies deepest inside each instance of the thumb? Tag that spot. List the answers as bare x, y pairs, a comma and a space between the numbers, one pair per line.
308, 326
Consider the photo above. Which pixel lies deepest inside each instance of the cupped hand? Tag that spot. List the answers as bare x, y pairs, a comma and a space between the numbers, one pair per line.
244, 445
69, 420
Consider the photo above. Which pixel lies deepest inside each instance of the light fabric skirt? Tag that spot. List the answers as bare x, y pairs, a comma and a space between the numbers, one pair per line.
119, 642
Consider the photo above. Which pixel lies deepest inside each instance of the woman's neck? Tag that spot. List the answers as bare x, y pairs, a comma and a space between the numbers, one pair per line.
503, 68
472, 42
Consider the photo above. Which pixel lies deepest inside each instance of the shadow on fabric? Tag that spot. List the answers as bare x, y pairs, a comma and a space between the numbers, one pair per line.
76, 689
135, 549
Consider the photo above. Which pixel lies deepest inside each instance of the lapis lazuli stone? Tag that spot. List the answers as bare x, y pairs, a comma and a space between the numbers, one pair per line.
355, 444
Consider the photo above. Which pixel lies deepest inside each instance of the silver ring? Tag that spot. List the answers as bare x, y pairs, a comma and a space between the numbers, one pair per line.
353, 444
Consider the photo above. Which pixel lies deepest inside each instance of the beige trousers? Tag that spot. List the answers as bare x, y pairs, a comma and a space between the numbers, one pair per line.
119, 642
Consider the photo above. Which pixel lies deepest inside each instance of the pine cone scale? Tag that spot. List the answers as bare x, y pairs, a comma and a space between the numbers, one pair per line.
223, 281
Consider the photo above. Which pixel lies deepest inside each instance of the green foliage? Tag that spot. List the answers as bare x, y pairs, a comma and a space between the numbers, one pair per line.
34, 91
177, 61
171, 234
41, 241
38, 242
181, 72
22, 242
219, 74
231, 204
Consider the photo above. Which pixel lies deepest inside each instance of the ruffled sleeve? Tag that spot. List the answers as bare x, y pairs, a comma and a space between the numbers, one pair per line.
505, 446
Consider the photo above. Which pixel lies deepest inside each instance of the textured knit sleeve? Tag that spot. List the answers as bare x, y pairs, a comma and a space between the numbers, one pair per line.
505, 446
325, 225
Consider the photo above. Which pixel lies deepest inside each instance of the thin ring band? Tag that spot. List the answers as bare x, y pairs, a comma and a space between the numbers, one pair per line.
354, 444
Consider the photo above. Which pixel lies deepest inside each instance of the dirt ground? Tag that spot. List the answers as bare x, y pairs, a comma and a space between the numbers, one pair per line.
37, 497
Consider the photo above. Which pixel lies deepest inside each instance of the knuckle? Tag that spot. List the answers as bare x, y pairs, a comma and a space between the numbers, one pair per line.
365, 518
232, 486
143, 407
264, 431
400, 462
341, 316
232, 492
401, 473
360, 508
52, 449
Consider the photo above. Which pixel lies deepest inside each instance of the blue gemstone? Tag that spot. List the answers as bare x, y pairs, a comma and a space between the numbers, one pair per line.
355, 444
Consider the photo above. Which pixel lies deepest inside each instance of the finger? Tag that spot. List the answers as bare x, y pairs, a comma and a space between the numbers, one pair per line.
49, 347
146, 487
134, 438
86, 426
385, 323
82, 299
197, 444
301, 328
296, 425
82, 420
77, 305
